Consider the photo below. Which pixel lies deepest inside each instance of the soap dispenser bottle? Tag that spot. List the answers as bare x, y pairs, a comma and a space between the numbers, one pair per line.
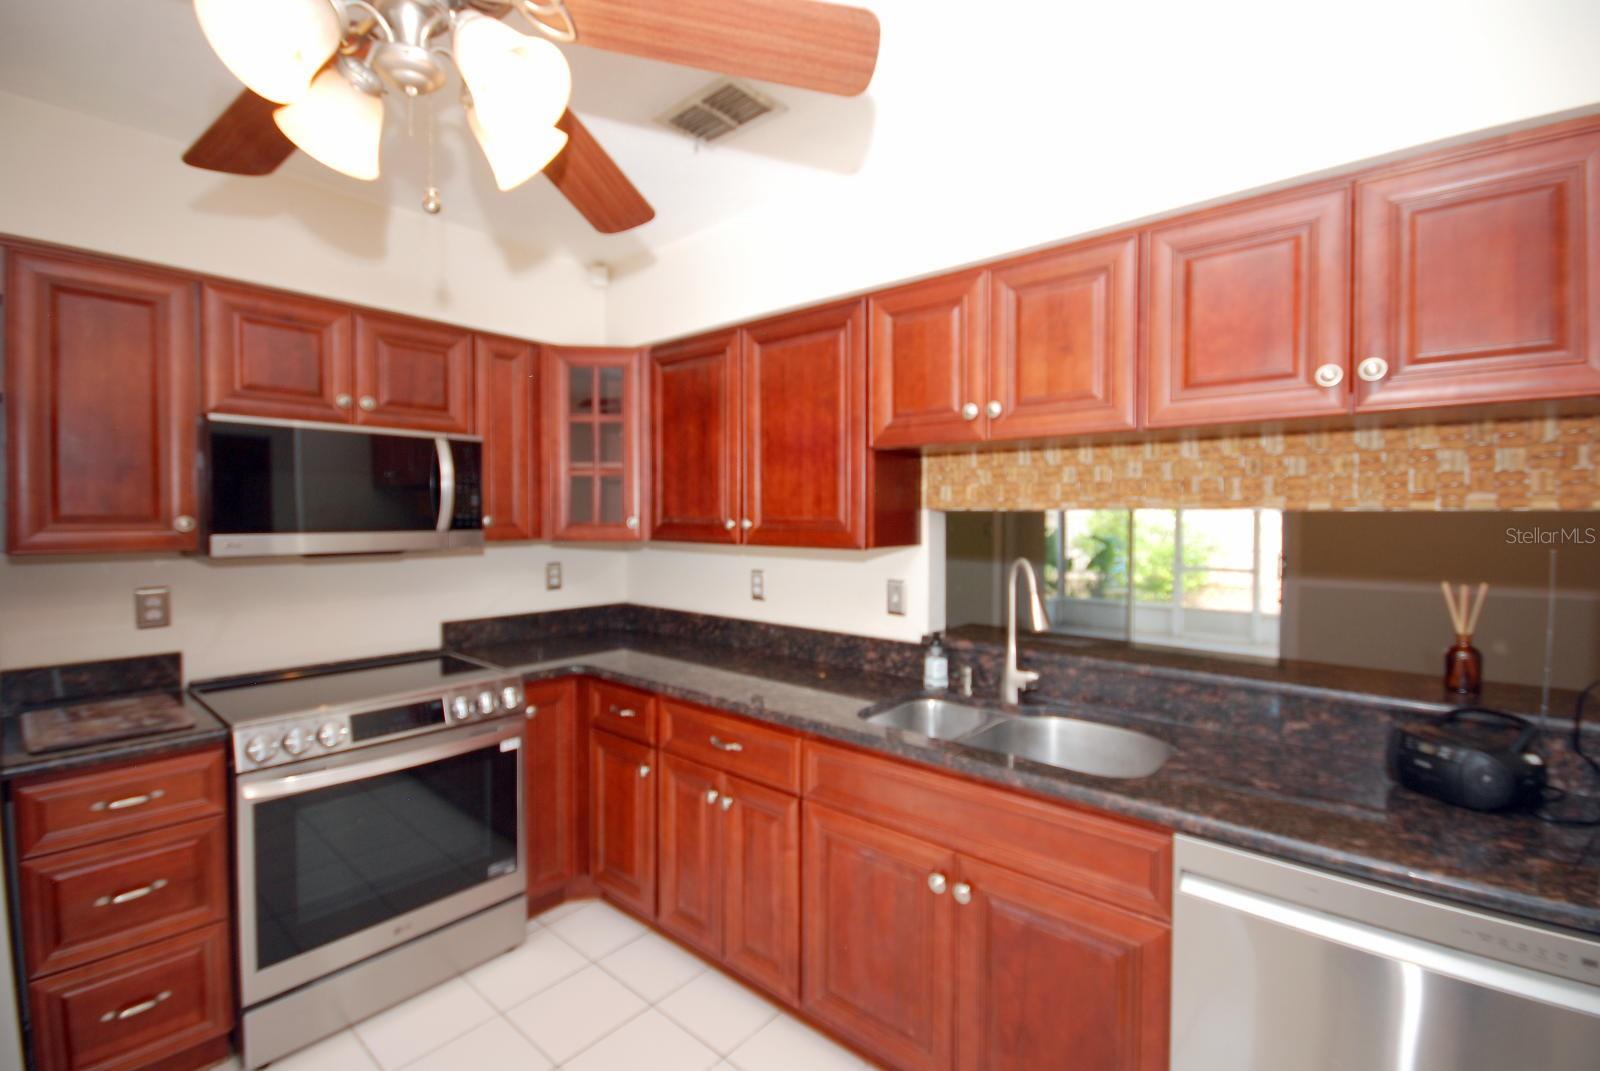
935, 667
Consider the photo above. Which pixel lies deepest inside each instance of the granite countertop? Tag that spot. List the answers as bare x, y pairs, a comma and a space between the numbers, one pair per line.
16, 761
1308, 790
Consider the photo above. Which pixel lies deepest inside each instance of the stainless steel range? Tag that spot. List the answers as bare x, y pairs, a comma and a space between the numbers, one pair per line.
379, 836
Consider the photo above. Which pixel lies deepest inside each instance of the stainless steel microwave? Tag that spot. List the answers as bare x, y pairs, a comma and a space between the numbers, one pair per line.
289, 487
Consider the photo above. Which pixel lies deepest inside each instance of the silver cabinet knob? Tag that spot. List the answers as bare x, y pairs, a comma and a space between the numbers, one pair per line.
342, 400
644, 769
937, 883
711, 795
488, 521
632, 523
730, 524
747, 524
961, 893
969, 411
183, 523
368, 403
727, 802
531, 710
1372, 369
995, 409
1329, 375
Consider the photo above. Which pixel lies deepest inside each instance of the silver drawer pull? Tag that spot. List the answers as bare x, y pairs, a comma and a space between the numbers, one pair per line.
136, 1009
132, 894
625, 712
128, 801
726, 745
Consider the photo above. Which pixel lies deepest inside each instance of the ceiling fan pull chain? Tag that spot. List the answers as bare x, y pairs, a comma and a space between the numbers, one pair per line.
432, 202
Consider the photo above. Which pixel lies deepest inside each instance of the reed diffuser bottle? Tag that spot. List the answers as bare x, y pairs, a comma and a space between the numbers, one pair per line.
1463, 663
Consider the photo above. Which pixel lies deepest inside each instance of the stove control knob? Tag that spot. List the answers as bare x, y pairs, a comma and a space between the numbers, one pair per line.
510, 697
260, 749
460, 709
331, 734
296, 741
485, 703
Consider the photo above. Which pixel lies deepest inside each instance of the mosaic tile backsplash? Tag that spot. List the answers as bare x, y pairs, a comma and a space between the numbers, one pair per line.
1532, 463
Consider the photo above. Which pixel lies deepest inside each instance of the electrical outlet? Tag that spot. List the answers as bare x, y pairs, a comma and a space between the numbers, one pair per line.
552, 576
897, 597
152, 607
758, 585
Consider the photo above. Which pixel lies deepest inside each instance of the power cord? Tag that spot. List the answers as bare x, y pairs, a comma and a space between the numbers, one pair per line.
1577, 747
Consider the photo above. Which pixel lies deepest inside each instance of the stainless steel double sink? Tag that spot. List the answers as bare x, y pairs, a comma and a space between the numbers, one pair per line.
1065, 743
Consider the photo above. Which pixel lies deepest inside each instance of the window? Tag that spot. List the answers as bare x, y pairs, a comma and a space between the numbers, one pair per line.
1204, 578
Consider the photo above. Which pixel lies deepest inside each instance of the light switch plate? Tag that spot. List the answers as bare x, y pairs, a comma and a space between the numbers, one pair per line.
897, 597
152, 607
552, 576
758, 585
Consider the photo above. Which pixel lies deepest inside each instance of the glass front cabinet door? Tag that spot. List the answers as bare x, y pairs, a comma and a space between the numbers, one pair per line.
595, 423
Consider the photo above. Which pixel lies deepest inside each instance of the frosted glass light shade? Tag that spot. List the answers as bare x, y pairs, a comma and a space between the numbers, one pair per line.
513, 78
275, 47
336, 125
515, 156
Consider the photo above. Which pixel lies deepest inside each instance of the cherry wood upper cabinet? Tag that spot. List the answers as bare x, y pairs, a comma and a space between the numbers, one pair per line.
594, 431
879, 964
694, 390
809, 479
622, 820
1063, 326
273, 354
1042, 971
928, 351
413, 374
1479, 278
550, 799
1248, 311
507, 383
102, 400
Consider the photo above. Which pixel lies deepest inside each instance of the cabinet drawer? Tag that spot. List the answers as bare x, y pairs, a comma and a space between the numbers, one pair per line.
624, 711
71, 810
80, 905
135, 1009
737, 745
1113, 860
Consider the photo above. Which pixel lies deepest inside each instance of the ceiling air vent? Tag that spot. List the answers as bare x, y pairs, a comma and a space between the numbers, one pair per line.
718, 110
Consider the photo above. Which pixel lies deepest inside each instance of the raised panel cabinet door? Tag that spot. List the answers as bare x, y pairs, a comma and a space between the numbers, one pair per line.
277, 355
805, 434
689, 892
879, 939
594, 425
927, 354
1248, 312
507, 384
761, 907
102, 401
1063, 327
413, 374
1044, 972
1479, 278
694, 413
622, 820
550, 801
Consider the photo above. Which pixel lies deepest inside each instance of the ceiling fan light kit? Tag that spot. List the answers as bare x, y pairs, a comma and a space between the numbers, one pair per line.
332, 63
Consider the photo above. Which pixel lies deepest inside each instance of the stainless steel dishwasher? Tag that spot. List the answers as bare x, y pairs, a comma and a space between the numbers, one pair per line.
1278, 967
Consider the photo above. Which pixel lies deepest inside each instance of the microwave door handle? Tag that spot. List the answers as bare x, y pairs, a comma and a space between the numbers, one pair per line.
447, 484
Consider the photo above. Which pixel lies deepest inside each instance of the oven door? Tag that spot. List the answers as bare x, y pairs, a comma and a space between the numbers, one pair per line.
341, 859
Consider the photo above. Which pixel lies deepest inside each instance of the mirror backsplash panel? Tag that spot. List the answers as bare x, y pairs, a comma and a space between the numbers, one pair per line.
1537, 463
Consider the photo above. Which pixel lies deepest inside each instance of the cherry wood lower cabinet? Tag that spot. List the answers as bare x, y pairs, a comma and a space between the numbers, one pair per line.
622, 820
691, 879
549, 784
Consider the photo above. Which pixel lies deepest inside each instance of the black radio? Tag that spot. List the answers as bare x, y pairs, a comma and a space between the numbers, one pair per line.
1471, 759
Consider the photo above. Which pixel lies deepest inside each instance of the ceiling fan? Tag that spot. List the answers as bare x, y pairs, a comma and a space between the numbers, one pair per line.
318, 72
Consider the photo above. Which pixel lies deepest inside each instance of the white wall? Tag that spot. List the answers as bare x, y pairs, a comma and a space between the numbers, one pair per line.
69, 178
1016, 123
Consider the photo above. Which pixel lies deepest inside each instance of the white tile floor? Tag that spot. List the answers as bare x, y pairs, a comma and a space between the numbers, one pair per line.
591, 990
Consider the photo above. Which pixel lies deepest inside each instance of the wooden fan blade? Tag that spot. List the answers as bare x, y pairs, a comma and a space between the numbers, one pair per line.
796, 42
243, 141
588, 177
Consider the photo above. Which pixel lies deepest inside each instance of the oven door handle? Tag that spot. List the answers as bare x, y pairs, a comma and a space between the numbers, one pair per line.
355, 766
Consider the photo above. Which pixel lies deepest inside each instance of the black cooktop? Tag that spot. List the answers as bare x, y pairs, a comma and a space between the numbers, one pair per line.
242, 700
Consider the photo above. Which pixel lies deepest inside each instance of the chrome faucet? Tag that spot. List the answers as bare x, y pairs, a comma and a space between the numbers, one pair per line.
1012, 679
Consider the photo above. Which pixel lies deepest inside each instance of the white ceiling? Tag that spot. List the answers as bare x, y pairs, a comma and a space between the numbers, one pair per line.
144, 64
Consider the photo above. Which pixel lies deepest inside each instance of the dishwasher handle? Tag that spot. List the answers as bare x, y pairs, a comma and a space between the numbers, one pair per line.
1438, 959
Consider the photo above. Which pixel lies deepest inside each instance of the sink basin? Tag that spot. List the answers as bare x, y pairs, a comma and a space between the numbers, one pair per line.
937, 719
1072, 744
